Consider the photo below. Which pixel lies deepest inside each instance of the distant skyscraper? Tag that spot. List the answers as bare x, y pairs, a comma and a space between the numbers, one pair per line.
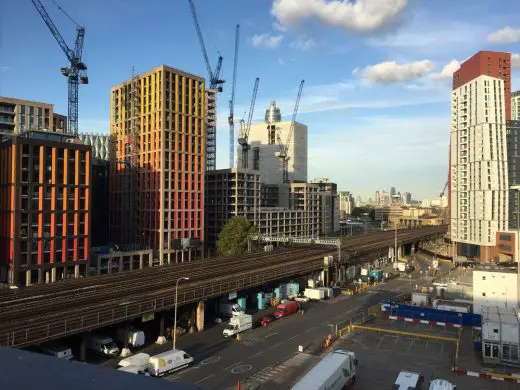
377, 198
481, 105
392, 192
407, 198
515, 106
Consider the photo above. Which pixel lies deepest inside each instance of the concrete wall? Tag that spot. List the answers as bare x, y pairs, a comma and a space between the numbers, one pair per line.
493, 288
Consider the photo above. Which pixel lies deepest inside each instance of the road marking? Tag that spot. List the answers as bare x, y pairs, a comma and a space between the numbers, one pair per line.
311, 329
270, 334
203, 379
293, 337
233, 365
325, 322
210, 360
256, 354
241, 369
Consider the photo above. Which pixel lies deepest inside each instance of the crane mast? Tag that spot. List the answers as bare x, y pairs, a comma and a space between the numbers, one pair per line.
231, 119
283, 152
245, 127
76, 71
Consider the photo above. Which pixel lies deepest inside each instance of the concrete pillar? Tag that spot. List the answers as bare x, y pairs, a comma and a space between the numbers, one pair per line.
182, 256
189, 254
76, 271
53, 275
47, 277
199, 322
150, 260
121, 263
28, 278
83, 348
40, 276
141, 261
109, 263
161, 339
131, 265
98, 260
125, 351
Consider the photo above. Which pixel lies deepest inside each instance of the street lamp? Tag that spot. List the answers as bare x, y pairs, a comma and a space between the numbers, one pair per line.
175, 310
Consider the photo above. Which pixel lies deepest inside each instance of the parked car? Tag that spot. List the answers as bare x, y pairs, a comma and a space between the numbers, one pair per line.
266, 320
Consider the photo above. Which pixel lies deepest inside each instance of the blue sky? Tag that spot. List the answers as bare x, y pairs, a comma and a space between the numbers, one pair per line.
377, 72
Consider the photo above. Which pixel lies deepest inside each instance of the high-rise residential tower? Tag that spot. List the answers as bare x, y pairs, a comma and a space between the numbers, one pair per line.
158, 161
478, 161
515, 106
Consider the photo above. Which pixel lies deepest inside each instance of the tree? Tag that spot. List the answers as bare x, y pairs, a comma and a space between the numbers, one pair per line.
232, 240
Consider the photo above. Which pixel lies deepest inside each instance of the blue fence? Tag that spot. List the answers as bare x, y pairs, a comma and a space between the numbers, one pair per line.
431, 314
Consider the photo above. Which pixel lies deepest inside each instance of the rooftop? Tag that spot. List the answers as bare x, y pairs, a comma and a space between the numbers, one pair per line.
50, 373
496, 268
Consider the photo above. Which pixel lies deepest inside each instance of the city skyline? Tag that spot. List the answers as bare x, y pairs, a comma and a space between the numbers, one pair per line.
397, 139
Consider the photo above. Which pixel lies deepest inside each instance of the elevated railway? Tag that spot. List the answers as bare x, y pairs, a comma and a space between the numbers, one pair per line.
47, 312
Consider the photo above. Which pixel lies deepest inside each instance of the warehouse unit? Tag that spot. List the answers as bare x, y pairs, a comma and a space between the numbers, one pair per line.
500, 335
45, 208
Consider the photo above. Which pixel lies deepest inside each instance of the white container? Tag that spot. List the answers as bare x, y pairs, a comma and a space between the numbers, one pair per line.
168, 361
230, 309
314, 293
135, 337
58, 351
419, 299
327, 292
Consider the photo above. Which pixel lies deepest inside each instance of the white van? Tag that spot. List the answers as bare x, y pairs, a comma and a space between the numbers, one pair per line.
167, 362
408, 380
102, 345
135, 337
57, 351
230, 309
139, 361
134, 370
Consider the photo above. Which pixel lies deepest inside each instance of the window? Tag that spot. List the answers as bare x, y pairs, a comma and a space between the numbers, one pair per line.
483, 294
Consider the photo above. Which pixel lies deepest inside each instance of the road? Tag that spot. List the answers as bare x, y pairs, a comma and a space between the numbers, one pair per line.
222, 362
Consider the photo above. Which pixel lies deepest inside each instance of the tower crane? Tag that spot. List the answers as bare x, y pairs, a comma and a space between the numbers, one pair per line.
444, 190
283, 153
245, 127
231, 119
76, 72
215, 81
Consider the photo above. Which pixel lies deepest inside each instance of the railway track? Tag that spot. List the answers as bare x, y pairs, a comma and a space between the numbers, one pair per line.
195, 271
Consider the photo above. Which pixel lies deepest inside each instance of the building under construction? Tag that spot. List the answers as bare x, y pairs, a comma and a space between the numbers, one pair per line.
158, 163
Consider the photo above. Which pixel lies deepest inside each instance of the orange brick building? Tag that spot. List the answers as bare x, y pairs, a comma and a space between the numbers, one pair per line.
44, 208
158, 162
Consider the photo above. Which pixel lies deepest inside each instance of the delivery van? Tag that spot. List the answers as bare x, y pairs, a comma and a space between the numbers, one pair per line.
286, 309
168, 361
58, 351
135, 337
138, 361
102, 345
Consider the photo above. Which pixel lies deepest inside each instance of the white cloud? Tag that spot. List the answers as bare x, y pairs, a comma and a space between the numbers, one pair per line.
388, 72
515, 60
505, 35
267, 40
304, 43
447, 70
360, 15
281, 61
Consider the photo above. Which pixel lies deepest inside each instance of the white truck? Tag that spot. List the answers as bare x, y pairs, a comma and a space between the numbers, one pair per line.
102, 345
441, 384
407, 380
336, 371
168, 361
58, 351
230, 309
315, 294
238, 324
135, 337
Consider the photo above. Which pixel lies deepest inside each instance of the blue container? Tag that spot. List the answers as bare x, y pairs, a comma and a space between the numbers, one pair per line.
277, 293
260, 301
104, 250
242, 303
